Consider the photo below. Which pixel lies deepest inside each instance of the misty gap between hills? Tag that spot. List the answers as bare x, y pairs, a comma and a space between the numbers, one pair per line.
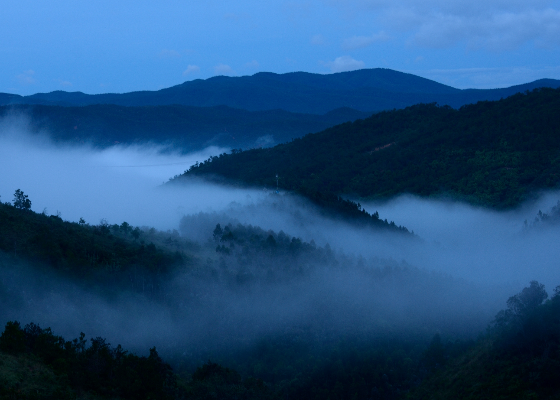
476, 256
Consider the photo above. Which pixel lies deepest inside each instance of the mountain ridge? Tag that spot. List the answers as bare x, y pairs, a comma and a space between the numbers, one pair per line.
490, 153
367, 90
189, 127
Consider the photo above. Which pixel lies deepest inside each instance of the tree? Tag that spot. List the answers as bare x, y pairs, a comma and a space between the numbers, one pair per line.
528, 299
12, 339
125, 228
21, 201
217, 233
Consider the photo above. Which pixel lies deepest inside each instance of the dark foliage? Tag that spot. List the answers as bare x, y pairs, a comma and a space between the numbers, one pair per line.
313, 359
249, 248
212, 381
490, 153
519, 358
98, 368
549, 218
21, 200
87, 252
189, 128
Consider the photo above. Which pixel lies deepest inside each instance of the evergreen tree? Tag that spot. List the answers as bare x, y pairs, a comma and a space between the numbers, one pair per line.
21, 200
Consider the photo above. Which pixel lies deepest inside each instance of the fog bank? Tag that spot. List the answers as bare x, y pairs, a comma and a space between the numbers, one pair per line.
120, 183
452, 277
125, 184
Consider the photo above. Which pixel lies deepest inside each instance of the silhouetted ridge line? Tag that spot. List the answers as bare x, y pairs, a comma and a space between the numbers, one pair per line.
191, 128
366, 90
490, 153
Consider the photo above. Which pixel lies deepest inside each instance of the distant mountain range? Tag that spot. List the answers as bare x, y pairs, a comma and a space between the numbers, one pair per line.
366, 90
189, 128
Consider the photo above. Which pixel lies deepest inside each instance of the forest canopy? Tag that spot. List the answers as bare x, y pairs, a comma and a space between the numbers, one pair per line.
490, 153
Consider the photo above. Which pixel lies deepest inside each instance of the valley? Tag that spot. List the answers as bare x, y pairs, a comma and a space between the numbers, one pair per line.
404, 250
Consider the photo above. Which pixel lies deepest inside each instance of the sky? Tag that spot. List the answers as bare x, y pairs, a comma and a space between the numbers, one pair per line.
107, 46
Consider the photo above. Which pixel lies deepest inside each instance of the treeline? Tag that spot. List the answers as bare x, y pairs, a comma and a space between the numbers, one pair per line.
121, 254
73, 369
489, 153
97, 368
549, 218
519, 357
247, 250
280, 318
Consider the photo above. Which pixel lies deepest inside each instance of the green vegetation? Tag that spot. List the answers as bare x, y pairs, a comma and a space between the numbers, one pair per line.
549, 218
519, 358
386, 358
307, 359
73, 367
248, 313
21, 200
490, 153
102, 253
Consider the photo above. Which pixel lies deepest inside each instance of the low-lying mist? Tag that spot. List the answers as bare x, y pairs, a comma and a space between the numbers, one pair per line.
480, 244
120, 183
451, 278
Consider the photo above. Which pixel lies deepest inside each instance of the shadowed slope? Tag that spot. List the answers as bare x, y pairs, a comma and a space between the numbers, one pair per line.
491, 153
365, 90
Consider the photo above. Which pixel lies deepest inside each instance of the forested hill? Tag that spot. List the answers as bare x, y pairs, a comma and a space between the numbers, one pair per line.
490, 153
366, 90
191, 128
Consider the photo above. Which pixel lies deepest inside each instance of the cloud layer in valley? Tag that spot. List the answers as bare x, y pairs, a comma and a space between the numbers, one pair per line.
452, 278
121, 183
125, 184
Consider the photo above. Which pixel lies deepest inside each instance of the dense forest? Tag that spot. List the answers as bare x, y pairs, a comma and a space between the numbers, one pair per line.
86, 252
226, 307
186, 128
490, 153
519, 357
258, 300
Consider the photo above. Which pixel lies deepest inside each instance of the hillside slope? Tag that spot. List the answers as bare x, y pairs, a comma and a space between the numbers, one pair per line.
189, 127
491, 153
366, 90
518, 359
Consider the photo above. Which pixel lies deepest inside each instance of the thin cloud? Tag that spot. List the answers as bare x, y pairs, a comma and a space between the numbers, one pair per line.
223, 69
191, 69
345, 63
27, 77
64, 83
488, 78
231, 16
236, 17
359, 42
493, 25
169, 54
500, 32
318, 40
252, 64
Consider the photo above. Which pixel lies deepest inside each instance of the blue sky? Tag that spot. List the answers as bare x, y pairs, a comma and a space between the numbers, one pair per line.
120, 46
